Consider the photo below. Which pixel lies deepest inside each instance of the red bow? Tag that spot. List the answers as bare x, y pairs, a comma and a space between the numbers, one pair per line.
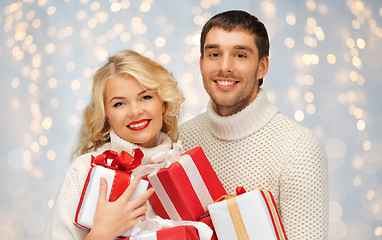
122, 162
240, 190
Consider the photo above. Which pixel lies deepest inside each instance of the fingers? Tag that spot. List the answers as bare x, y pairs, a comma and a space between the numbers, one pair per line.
131, 188
102, 191
140, 211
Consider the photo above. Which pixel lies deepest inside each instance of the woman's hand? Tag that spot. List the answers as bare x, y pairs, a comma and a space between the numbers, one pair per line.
112, 219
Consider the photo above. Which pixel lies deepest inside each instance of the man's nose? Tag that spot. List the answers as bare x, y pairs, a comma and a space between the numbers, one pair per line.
226, 64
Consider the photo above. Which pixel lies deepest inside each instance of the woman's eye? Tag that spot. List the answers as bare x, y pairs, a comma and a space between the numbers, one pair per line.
117, 104
147, 97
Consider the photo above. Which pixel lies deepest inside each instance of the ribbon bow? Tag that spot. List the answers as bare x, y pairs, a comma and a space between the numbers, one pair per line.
239, 190
161, 160
122, 162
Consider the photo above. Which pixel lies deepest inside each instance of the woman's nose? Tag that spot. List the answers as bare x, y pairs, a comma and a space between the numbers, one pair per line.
135, 109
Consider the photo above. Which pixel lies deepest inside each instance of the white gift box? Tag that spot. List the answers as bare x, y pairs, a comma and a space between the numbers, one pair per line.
252, 215
84, 216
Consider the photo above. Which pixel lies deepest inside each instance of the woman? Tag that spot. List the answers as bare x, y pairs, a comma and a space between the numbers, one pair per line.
135, 104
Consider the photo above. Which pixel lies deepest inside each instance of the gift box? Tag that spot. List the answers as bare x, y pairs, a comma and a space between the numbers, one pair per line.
208, 221
117, 169
252, 215
184, 190
176, 233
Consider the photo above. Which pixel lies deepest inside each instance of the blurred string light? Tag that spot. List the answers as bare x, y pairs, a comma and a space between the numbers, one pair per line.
32, 43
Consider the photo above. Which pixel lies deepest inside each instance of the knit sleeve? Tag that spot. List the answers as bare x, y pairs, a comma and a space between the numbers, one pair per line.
304, 190
60, 223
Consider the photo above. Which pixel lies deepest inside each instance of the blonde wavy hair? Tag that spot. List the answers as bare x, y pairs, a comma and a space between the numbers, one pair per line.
95, 131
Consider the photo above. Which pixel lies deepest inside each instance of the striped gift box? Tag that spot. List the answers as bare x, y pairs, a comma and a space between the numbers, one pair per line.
252, 215
184, 190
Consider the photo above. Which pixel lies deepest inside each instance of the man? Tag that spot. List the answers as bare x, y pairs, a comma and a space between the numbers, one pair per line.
247, 140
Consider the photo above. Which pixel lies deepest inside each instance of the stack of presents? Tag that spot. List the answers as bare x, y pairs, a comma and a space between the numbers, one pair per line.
188, 193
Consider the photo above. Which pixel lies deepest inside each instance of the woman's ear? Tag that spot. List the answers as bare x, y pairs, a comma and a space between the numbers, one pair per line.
164, 107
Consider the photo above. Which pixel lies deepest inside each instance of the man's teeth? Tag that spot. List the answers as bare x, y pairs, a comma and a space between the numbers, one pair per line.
138, 124
226, 83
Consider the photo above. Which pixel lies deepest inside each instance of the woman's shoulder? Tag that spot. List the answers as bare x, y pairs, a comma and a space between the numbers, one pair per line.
84, 161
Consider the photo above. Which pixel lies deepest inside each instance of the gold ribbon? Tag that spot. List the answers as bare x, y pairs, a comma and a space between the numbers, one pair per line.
237, 220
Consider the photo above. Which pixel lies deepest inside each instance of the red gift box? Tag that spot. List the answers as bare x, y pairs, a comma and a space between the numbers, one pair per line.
176, 233
118, 177
184, 190
207, 220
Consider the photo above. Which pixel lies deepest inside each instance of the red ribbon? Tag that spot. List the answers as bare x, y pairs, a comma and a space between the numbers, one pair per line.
122, 162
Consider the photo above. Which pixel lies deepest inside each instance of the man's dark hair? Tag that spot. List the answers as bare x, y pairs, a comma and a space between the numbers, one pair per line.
239, 20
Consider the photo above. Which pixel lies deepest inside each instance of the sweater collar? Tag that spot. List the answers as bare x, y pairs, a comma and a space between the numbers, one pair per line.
163, 143
243, 123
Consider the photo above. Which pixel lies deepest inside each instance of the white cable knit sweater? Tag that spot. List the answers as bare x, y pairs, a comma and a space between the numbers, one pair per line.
260, 146
60, 224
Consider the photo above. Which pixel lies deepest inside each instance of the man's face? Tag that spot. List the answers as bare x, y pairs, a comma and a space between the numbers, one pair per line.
231, 69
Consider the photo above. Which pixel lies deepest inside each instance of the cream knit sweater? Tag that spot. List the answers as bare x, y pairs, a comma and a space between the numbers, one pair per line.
60, 224
260, 146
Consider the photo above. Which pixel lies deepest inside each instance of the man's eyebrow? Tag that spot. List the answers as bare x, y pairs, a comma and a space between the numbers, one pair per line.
243, 47
211, 46
237, 47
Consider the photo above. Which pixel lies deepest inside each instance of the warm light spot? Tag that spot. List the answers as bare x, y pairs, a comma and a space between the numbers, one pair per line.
311, 22
35, 147
357, 163
145, 7
353, 76
51, 10
331, 58
357, 62
366, 145
95, 6
115, 7
164, 58
43, 140
357, 181
308, 80
51, 155
350, 43
125, 37
73, 120
299, 115
311, 109
291, 18
160, 42
75, 84
32, 89
378, 230
361, 43
310, 4
309, 97
47, 123
289, 42
358, 113
361, 125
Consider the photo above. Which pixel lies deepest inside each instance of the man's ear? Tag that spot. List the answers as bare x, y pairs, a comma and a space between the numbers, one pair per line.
263, 67
200, 63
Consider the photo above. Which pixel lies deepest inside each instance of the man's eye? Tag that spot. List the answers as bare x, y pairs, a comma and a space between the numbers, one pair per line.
214, 55
117, 104
240, 55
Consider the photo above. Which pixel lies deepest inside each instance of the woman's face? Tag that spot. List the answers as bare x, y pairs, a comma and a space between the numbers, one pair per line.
134, 112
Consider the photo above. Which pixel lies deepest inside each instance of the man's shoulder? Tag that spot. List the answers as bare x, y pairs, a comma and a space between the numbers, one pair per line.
196, 122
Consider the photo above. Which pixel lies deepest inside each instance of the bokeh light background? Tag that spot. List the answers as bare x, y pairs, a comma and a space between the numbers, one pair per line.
325, 72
